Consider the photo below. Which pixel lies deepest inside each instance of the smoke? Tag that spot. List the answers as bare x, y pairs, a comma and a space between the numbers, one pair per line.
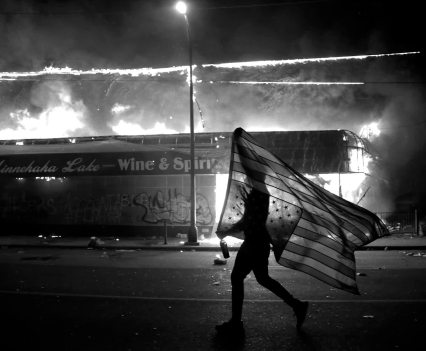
401, 146
307, 107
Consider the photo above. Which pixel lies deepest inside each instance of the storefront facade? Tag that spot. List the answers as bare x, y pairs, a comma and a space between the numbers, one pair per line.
136, 185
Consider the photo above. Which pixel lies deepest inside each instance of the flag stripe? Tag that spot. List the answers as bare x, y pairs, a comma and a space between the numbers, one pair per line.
326, 272
353, 233
311, 229
333, 217
287, 171
338, 231
318, 236
313, 215
336, 228
320, 257
314, 201
343, 206
319, 246
317, 224
352, 287
330, 214
300, 189
346, 208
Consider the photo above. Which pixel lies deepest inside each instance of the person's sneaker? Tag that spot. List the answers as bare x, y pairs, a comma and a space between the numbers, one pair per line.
300, 311
231, 328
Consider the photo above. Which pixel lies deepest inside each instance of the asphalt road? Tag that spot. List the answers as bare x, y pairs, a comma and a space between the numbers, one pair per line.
72, 299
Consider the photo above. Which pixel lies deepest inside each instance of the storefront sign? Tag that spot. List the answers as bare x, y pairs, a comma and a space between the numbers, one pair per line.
112, 163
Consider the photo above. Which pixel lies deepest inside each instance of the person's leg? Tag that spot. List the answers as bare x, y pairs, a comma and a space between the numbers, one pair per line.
239, 272
261, 273
242, 268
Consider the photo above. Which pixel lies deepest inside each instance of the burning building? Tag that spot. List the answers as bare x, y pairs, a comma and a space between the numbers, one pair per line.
139, 185
119, 183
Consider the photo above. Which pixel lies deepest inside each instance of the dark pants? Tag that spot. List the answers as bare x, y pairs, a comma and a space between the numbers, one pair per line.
254, 257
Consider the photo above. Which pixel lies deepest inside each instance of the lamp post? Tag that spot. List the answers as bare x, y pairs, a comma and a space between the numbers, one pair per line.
192, 233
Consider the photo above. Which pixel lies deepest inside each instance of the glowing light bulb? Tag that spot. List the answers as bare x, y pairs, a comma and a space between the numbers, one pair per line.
181, 7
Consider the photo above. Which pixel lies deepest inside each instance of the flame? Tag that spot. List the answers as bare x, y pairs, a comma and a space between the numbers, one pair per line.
349, 186
214, 240
60, 116
370, 131
138, 72
129, 128
359, 160
221, 187
285, 83
49, 71
198, 127
305, 60
118, 109
48, 179
269, 127
352, 186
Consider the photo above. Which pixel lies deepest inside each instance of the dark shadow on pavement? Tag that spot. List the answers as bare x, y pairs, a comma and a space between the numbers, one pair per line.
228, 342
306, 340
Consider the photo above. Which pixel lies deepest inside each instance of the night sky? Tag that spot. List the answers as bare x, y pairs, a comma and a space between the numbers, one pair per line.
130, 34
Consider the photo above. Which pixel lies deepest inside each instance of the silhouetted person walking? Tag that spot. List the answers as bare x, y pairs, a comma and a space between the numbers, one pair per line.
253, 256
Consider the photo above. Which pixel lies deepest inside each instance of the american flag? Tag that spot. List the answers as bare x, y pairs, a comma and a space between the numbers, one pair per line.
311, 229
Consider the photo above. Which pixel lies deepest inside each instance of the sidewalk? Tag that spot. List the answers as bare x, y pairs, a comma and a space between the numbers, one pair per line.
391, 242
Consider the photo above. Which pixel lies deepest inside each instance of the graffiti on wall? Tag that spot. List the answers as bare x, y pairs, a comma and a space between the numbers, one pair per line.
145, 208
174, 209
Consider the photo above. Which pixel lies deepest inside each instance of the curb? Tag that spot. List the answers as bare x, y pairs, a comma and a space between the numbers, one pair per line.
185, 247
121, 247
395, 247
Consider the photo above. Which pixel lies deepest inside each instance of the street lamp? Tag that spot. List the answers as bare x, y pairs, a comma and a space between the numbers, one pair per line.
192, 233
